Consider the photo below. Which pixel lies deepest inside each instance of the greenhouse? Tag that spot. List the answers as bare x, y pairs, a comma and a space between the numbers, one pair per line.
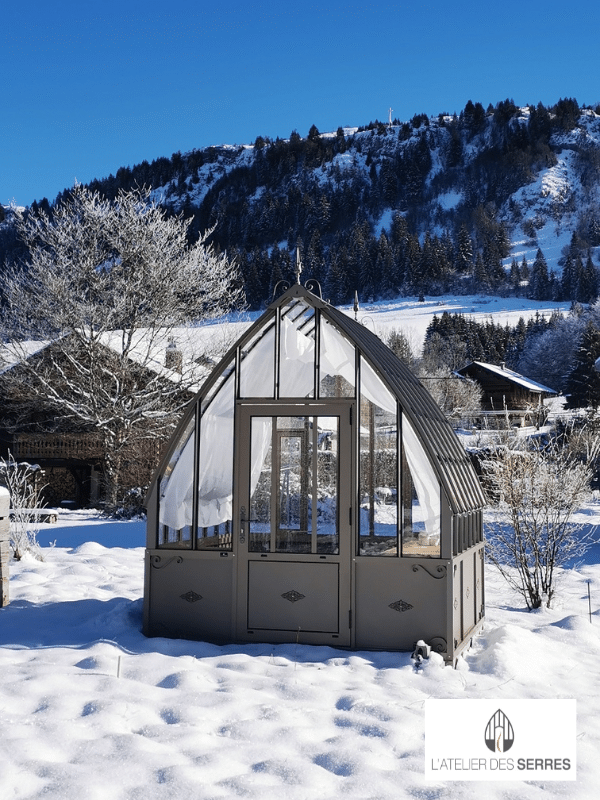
314, 493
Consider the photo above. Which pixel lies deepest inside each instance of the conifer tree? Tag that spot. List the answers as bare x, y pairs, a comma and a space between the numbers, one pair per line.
539, 282
583, 383
569, 278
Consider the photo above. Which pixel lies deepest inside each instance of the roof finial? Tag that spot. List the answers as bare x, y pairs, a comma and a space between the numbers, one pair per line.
356, 305
298, 264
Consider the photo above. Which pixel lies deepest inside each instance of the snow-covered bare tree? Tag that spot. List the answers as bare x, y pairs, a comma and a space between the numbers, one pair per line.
538, 488
401, 344
459, 398
26, 504
106, 284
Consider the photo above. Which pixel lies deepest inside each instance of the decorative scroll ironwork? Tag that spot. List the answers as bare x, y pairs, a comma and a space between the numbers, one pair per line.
155, 561
313, 282
439, 644
441, 570
191, 597
400, 605
285, 286
293, 596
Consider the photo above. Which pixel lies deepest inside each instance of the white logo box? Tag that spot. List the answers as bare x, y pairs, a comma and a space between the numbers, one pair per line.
500, 740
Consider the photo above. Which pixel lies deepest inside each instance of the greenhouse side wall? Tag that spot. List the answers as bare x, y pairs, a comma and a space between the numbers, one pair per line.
467, 602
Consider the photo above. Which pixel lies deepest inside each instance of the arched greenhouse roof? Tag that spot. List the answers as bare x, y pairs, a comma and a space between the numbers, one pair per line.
444, 451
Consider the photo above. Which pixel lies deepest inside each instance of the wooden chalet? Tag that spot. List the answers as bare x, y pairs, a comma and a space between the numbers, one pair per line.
506, 391
71, 455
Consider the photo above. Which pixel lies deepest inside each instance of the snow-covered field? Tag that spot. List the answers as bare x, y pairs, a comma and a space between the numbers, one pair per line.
403, 313
91, 709
413, 318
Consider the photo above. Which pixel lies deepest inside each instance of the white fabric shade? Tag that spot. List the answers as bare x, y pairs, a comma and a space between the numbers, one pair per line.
296, 376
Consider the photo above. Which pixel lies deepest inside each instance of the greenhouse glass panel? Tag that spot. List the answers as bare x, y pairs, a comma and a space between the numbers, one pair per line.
378, 468
260, 485
257, 365
337, 363
297, 351
421, 502
215, 469
294, 476
225, 376
176, 493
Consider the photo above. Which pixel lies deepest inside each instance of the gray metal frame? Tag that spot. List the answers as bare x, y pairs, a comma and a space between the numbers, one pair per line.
378, 602
294, 572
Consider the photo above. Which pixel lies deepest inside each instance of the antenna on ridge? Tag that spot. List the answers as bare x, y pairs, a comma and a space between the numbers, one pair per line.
390, 118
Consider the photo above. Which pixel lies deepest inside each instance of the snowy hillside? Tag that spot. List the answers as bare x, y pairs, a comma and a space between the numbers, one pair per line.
460, 204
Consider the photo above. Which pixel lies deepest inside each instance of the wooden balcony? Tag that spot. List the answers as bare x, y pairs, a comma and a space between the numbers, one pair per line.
56, 446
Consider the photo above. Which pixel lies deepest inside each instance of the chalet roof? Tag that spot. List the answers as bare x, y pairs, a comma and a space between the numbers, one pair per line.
509, 375
10, 357
189, 340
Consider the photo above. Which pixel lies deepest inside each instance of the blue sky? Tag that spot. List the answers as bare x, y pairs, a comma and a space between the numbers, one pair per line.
90, 87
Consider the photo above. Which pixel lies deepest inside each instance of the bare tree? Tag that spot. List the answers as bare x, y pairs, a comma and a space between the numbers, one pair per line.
106, 284
21, 480
459, 398
538, 486
401, 344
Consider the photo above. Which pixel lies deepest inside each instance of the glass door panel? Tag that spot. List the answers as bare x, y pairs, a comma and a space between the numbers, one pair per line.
294, 485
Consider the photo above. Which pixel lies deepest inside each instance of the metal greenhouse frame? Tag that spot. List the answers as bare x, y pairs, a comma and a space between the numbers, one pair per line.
315, 493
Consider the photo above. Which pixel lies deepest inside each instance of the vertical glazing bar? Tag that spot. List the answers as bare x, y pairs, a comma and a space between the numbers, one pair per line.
195, 478
398, 481
357, 424
371, 469
276, 350
314, 484
275, 483
317, 393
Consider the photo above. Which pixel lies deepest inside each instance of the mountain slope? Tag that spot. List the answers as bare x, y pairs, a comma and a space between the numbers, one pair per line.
428, 206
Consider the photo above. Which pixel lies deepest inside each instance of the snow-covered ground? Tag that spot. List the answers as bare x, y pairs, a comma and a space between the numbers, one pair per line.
90, 709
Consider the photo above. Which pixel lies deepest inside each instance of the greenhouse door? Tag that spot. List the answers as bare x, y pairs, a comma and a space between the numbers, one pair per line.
294, 523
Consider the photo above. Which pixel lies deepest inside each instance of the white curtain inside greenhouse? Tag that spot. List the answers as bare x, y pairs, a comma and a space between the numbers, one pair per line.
424, 478
297, 361
297, 353
215, 471
175, 508
257, 367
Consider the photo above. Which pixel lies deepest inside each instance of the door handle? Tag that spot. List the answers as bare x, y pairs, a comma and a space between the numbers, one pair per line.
243, 523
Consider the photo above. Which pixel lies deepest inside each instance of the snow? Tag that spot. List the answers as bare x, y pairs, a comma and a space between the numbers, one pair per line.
385, 222
450, 200
90, 708
413, 317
